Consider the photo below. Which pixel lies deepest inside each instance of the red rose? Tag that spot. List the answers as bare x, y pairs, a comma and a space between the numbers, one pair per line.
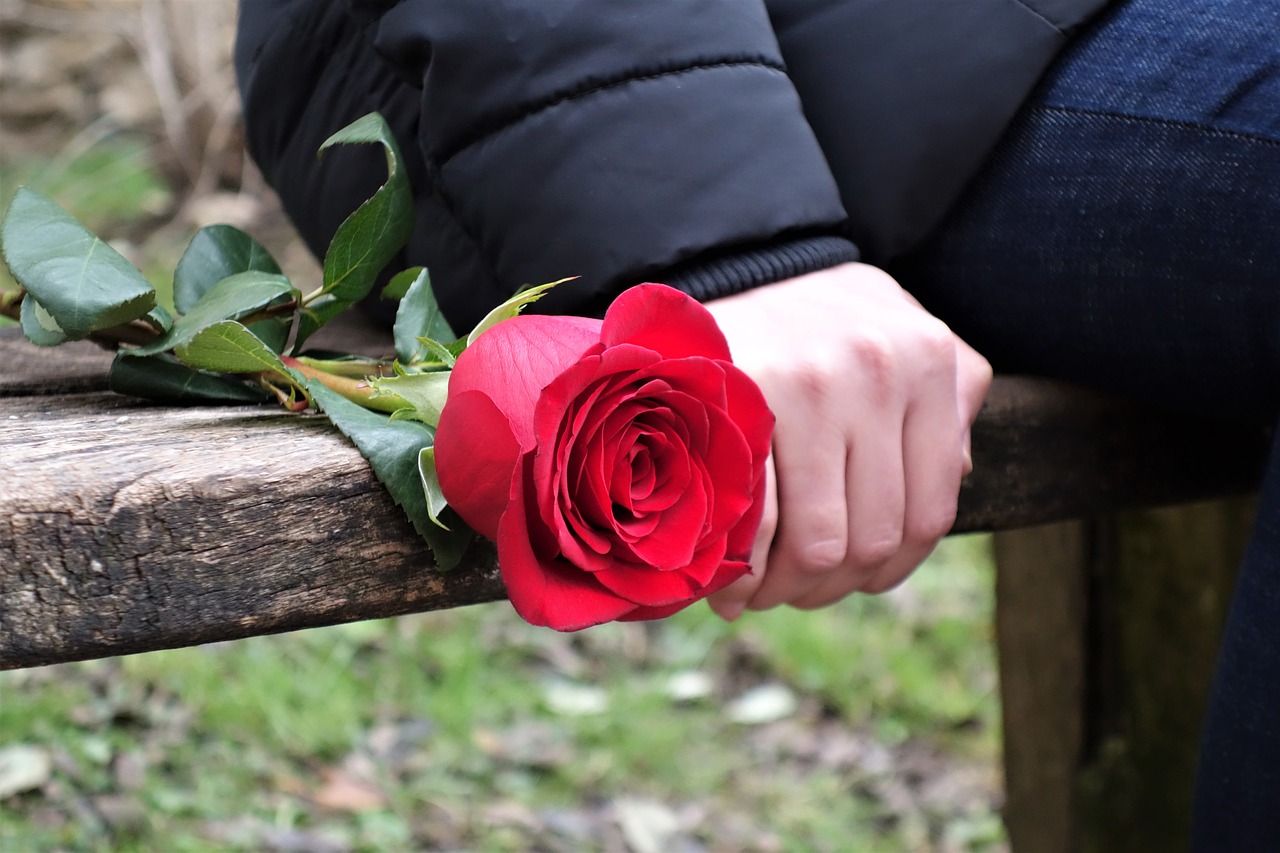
618, 464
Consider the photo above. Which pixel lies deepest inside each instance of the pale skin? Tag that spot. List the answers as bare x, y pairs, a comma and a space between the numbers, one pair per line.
874, 399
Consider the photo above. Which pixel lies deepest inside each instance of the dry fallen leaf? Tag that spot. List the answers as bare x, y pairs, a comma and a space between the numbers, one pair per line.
346, 793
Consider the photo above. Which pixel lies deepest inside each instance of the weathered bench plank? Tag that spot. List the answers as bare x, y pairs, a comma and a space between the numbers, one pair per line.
128, 527
125, 527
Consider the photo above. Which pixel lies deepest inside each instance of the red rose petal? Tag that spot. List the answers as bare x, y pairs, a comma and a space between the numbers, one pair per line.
512, 362
476, 456
664, 320
729, 571
732, 468
706, 562
672, 543
747, 408
547, 592
647, 587
701, 378
742, 537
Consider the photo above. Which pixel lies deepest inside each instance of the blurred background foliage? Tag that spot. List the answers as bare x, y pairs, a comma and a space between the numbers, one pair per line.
872, 725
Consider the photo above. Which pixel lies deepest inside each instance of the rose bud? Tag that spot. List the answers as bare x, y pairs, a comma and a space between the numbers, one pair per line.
619, 465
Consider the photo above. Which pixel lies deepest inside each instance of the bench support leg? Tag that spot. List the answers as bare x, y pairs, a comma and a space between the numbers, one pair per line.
1041, 594
1108, 633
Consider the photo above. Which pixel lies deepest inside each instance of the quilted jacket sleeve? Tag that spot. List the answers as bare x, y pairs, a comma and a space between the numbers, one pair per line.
615, 140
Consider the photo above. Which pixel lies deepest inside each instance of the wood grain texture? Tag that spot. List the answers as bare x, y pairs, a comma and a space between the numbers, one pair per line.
127, 527
68, 369
1042, 622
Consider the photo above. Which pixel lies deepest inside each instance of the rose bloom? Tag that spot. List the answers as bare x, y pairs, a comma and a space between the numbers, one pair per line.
619, 465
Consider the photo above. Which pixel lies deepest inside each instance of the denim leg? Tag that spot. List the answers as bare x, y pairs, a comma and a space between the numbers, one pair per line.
1237, 805
1126, 235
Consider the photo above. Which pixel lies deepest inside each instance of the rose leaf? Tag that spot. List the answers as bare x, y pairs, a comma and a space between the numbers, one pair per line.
399, 284
80, 281
229, 347
231, 298
512, 307
161, 377
419, 316
436, 501
314, 315
426, 393
39, 325
160, 318
371, 236
392, 449
214, 253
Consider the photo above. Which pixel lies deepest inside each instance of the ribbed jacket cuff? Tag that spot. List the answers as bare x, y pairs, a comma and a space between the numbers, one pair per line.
707, 279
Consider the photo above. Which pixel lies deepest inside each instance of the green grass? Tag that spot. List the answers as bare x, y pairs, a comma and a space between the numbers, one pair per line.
110, 186
233, 742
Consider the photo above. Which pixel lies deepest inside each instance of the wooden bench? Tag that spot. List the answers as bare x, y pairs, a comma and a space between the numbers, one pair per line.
128, 527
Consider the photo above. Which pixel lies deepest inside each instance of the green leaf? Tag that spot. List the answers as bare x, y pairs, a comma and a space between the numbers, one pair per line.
160, 318
273, 331
214, 253
229, 347
230, 299
426, 393
443, 354
379, 228
160, 377
512, 307
83, 283
419, 316
436, 501
38, 324
392, 449
316, 314
399, 284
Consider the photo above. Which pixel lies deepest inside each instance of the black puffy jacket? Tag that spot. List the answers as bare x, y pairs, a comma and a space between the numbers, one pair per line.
712, 144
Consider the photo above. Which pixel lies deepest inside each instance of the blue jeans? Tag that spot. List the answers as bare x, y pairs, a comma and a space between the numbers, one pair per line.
1126, 235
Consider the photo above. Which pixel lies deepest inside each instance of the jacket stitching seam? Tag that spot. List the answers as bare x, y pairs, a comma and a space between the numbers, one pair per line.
501, 124
1041, 15
1166, 122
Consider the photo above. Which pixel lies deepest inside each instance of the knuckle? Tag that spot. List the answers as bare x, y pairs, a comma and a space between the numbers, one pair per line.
814, 382
876, 550
984, 372
874, 363
821, 556
873, 353
938, 341
932, 525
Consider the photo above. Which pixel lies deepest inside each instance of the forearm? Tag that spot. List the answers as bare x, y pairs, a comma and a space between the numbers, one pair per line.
618, 142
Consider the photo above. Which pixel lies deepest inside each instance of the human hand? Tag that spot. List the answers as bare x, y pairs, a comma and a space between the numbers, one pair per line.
874, 399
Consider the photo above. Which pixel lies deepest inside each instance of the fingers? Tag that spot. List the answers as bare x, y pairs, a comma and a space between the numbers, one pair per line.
729, 602
901, 482
973, 380
874, 399
812, 539
890, 574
